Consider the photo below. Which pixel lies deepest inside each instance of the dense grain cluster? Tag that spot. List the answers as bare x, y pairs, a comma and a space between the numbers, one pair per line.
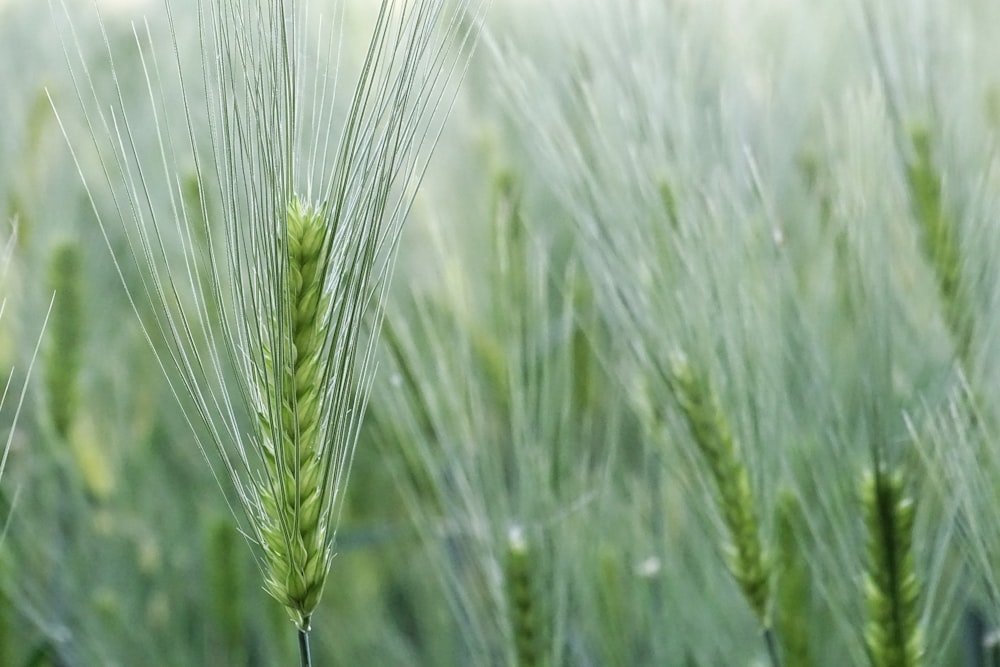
294, 526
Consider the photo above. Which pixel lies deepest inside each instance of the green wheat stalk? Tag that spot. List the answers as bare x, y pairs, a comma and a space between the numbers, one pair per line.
893, 634
310, 224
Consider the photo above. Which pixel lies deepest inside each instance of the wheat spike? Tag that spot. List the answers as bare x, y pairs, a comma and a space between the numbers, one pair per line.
891, 589
293, 523
713, 436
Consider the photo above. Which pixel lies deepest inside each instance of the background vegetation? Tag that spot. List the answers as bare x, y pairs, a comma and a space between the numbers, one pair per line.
689, 360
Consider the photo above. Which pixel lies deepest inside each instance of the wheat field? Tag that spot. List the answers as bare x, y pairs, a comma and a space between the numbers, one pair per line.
516, 333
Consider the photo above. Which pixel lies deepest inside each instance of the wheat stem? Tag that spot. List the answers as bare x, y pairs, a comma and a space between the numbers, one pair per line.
771, 641
305, 656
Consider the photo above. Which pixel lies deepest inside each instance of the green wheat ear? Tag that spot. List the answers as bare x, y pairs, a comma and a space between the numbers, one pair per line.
714, 438
62, 362
893, 634
792, 607
294, 525
225, 575
613, 606
939, 238
521, 600
276, 317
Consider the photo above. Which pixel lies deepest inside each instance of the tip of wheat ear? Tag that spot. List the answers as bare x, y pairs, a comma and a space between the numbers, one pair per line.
293, 520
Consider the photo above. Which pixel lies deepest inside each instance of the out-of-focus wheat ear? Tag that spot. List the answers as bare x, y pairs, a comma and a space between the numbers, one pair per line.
522, 605
793, 594
293, 522
613, 609
734, 500
226, 591
669, 200
7, 630
11, 394
939, 241
892, 634
65, 338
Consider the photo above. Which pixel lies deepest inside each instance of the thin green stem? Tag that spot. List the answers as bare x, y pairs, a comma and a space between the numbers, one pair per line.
305, 657
772, 647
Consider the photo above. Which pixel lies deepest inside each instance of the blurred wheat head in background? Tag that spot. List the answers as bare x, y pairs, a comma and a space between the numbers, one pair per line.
14, 387
268, 286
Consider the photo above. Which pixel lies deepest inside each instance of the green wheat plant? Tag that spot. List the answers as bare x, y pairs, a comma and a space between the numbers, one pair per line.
491, 397
738, 253
792, 290
312, 194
